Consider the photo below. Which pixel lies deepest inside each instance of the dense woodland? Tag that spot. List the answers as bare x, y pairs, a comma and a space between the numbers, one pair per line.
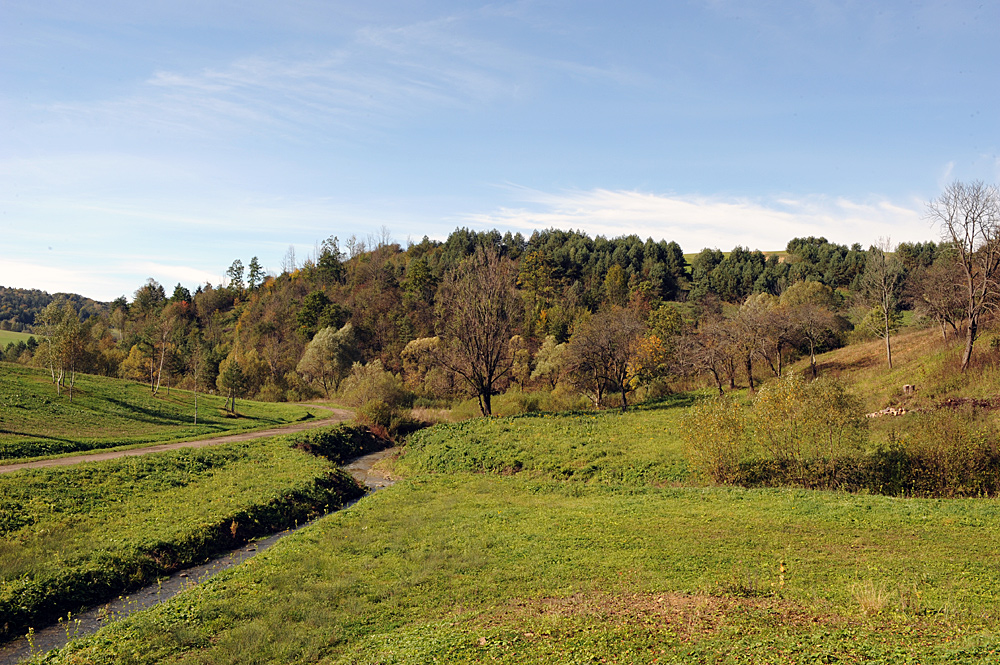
484, 312
20, 307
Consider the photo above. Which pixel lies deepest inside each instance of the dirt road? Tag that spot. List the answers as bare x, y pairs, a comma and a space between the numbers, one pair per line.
337, 416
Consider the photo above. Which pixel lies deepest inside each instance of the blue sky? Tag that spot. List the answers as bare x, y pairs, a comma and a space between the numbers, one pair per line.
166, 139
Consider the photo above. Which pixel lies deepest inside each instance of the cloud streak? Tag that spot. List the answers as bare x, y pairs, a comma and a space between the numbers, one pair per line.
696, 222
377, 79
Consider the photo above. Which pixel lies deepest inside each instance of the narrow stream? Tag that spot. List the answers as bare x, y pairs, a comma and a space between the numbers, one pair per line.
91, 620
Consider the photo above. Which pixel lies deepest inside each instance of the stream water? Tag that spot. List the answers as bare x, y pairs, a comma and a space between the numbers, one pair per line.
91, 620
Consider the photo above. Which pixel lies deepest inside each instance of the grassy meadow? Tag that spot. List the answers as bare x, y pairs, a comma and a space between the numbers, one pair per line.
583, 537
108, 413
483, 568
9, 336
642, 447
73, 536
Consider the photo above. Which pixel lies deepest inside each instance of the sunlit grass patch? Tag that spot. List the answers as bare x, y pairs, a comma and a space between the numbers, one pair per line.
490, 567
642, 446
106, 413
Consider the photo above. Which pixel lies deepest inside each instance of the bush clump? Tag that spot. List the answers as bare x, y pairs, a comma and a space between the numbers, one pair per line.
338, 443
379, 397
791, 427
815, 435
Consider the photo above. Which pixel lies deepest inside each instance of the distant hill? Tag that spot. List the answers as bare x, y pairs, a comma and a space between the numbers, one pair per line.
19, 307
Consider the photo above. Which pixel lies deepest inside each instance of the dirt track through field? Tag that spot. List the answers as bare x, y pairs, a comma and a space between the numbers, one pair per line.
338, 416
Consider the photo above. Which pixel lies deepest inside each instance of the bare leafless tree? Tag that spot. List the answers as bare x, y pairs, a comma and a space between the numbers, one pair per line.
602, 353
479, 311
711, 349
938, 292
881, 284
969, 217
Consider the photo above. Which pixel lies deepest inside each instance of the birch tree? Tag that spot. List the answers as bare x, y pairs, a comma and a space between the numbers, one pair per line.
881, 284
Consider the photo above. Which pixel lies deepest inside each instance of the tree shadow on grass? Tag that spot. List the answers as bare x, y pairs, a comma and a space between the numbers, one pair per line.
672, 401
34, 445
33, 435
152, 416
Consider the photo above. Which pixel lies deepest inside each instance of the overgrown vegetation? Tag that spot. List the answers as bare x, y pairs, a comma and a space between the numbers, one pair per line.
75, 536
548, 538
815, 435
418, 311
599, 536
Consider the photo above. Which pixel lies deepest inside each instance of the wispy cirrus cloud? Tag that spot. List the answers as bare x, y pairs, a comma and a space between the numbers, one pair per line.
380, 76
706, 221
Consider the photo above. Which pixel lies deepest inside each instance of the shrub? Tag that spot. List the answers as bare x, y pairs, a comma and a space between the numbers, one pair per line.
337, 443
378, 396
792, 432
515, 402
371, 382
814, 435
716, 433
943, 453
797, 421
271, 392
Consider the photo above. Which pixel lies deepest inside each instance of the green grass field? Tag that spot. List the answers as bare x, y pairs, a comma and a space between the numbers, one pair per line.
642, 447
73, 536
107, 413
7, 337
573, 539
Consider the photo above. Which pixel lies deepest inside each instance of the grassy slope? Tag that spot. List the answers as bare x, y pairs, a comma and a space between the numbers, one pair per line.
921, 358
106, 413
639, 448
605, 562
8, 336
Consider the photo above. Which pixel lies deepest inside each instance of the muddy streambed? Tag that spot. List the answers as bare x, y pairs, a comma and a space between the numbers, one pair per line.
93, 619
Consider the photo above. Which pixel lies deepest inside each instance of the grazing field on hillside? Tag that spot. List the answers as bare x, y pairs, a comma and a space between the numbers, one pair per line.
488, 563
75, 536
106, 413
8, 336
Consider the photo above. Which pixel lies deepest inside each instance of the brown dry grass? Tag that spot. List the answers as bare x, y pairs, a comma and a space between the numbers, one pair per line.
689, 617
431, 416
921, 358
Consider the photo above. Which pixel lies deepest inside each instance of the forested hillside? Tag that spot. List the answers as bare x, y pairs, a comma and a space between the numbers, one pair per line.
20, 307
484, 312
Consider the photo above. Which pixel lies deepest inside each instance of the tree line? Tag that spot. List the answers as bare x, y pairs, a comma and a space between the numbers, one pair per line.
482, 312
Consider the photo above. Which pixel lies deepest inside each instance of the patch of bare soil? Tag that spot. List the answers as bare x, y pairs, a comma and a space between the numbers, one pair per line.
337, 416
687, 616
988, 404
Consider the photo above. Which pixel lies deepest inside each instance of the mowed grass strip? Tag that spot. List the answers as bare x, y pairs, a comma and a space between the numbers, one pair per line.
76, 535
107, 413
642, 447
483, 568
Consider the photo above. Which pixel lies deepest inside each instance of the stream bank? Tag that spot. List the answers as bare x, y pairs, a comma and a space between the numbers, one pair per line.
91, 620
